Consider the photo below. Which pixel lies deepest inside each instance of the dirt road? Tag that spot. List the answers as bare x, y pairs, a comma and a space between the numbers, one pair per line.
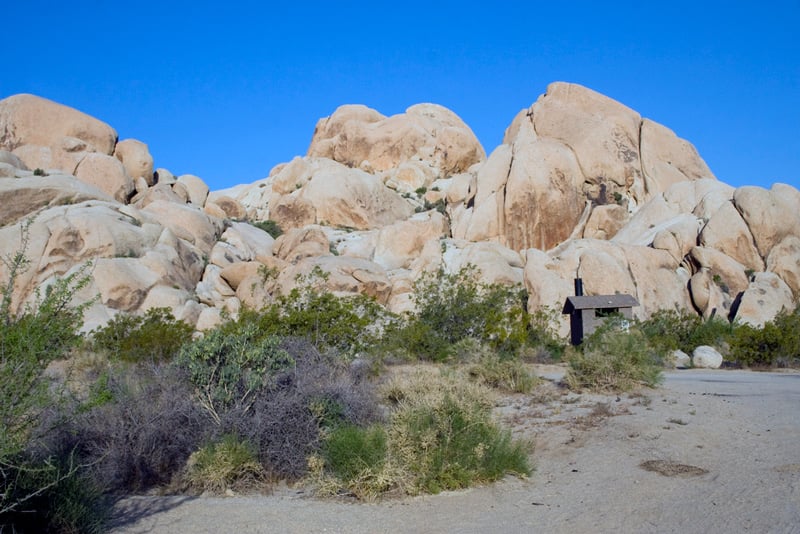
708, 451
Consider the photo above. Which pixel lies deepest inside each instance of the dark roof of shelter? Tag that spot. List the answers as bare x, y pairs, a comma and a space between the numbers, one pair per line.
599, 302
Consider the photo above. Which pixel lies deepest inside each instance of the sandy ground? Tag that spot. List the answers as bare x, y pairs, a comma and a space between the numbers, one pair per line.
708, 451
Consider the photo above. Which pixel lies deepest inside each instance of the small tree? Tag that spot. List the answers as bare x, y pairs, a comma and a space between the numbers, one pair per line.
44, 331
455, 306
155, 336
347, 324
229, 368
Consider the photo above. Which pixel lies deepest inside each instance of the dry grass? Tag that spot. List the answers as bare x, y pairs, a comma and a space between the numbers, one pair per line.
225, 466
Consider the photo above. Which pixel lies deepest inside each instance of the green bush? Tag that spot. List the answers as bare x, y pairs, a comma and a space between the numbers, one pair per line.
230, 368
450, 307
542, 335
777, 343
347, 324
29, 342
669, 330
442, 437
614, 358
41, 333
351, 451
269, 226
155, 336
503, 373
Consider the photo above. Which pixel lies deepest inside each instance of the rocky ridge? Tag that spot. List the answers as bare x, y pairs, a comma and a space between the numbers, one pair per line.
581, 186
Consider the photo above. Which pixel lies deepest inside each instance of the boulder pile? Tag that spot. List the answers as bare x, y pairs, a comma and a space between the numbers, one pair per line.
581, 186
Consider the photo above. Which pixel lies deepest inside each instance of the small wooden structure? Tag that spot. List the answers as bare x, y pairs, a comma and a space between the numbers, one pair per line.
588, 313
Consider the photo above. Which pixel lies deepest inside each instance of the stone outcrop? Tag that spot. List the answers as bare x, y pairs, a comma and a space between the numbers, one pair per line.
322, 191
65, 140
572, 146
581, 186
107, 174
136, 159
428, 138
765, 297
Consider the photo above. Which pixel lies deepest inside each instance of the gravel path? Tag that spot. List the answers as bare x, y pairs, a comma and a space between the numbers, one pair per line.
709, 451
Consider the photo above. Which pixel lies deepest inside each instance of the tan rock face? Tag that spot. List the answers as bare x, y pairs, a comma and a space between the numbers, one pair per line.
344, 275
771, 215
122, 283
230, 207
709, 295
354, 135
186, 222
163, 192
496, 263
571, 146
319, 191
667, 159
611, 197
10, 159
399, 244
299, 243
603, 134
107, 174
728, 233
728, 273
21, 197
784, 260
136, 158
196, 188
605, 221
68, 134
765, 297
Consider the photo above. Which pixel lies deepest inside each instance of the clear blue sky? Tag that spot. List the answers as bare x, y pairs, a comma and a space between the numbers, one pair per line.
228, 90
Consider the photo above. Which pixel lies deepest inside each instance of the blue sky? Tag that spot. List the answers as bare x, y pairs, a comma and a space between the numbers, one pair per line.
227, 91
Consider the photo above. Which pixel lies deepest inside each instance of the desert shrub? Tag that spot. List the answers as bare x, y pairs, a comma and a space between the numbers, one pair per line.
503, 373
442, 436
143, 432
53, 496
351, 451
230, 463
439, 436
614, 358
715, 332
155, 336
542, 336
269, 226
30, 340
348, 324
229, 368
454, 306
278, 394
668, 330
776, 343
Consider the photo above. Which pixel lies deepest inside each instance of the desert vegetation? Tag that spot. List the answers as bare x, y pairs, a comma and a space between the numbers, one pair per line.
306, 390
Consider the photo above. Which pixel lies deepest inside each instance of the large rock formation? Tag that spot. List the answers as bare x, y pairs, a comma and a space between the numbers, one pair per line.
427, 138
572, 146
581, 186
47, 135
